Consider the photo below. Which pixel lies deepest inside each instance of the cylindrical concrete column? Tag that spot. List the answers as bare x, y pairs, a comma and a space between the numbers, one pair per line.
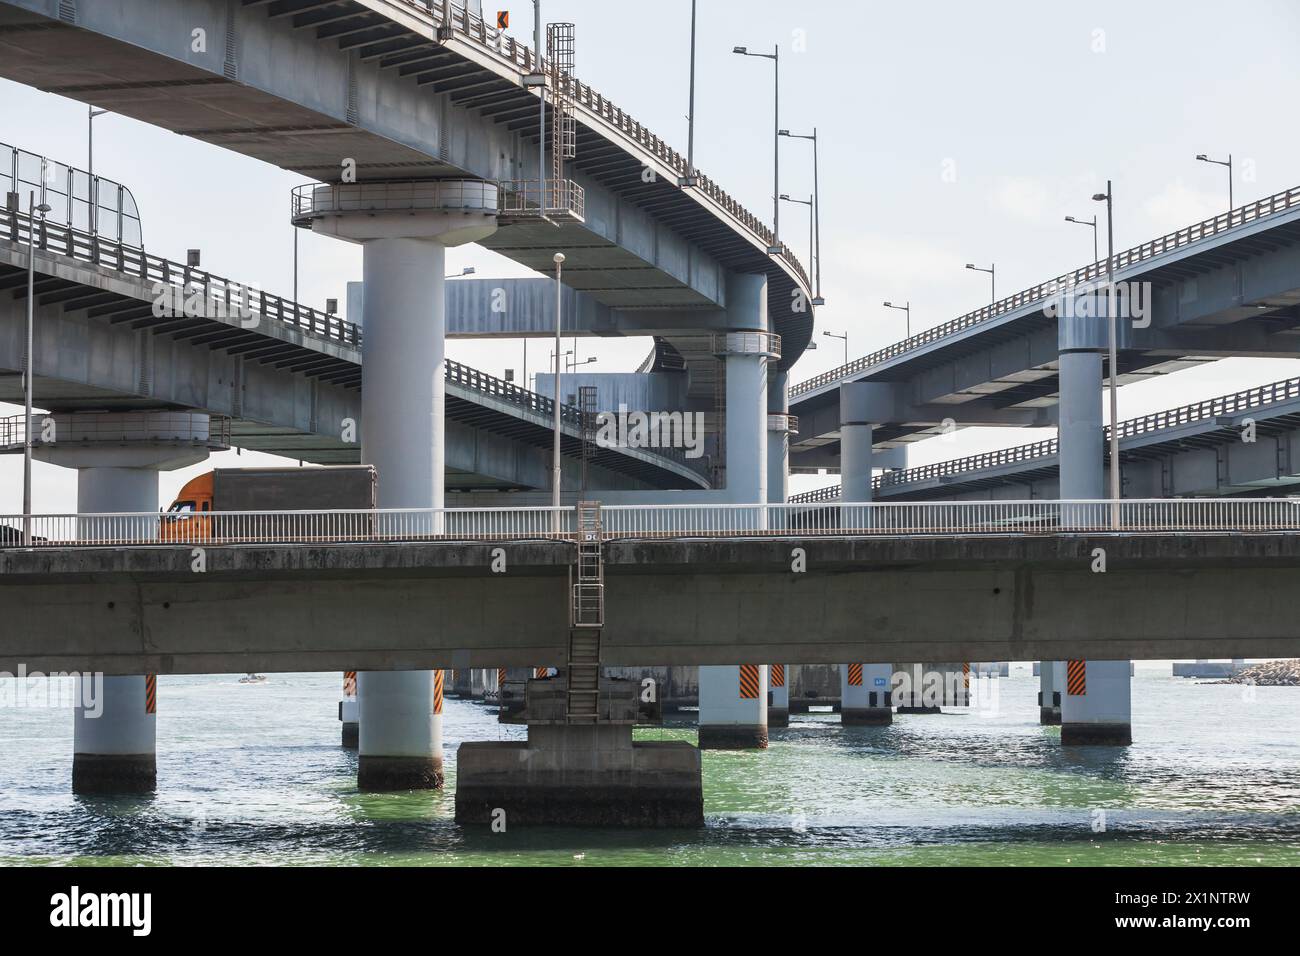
403, 370
348, 710
778, 697
778, 438
114, 742
1096, 696
1096, 707
746, 392
1049, 692
733, 707
402, 435
865, 695
401, 730
1081, 439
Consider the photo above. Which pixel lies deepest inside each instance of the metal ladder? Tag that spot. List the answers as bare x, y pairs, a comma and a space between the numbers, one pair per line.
586, 618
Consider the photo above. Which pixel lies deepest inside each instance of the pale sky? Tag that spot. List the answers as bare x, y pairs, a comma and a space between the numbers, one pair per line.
951, 133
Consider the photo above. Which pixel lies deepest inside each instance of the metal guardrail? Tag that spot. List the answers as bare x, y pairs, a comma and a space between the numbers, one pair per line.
672, 522
1096, 272
542, 199
75, 197
118, 428
1251, 399
311, 200
523, 59
234, 297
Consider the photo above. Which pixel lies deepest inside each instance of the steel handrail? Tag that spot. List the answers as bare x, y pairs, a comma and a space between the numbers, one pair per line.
1095, 272
522, 58
1246, 400
675, 522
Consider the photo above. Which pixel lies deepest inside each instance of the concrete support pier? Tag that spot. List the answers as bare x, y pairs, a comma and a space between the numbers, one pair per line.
400, 744
1096, 707
404, 229
1051, 686
114, 743
733, 707
579, 775
778, 697
118, 456
1096, 697
349, 712
865, 695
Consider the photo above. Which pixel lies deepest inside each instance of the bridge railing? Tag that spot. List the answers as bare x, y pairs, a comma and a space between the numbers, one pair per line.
1092, 273
671, 522
522, 58
1246, 400
185, 289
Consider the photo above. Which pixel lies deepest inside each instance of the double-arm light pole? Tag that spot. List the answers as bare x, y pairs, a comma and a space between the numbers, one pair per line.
844, 338
775, 56
811, 203
817, 212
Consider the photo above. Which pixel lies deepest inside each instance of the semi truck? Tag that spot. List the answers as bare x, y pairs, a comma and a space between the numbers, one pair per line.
215, 506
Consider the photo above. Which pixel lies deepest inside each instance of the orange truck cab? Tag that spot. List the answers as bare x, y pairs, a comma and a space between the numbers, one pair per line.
190, 516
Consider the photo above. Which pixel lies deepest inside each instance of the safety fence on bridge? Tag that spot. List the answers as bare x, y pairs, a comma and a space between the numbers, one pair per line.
676, 522
1247, 400
1090, 274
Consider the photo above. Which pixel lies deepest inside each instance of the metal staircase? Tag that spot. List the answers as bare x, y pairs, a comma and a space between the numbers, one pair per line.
586, 618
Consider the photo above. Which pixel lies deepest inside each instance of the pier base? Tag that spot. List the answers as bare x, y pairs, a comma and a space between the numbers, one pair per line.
579, 775
386, 774
733, 707
114, 773
733, 737
1096, 709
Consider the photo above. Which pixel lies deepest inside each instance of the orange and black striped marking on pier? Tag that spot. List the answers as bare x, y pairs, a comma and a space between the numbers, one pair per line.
501, 677
965, 675
349, 683
151, 693
855, 675
1076, 678
777, 675
748, 681
437, 691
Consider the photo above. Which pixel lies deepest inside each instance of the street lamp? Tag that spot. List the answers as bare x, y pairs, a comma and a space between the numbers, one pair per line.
993, 278
571, 365
690, 179
467, 271
1108, 198
775, 56
558, 258
817, 213
906, 307
845, 339
1093, 224
92, 194
1219, 162
35, 213
810, 202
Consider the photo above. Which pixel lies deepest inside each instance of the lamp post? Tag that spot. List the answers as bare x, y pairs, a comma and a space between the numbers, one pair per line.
993, 278
690, 178
1108, 198
467, 271
775, 56
810, 202
92, 194
906, 307
817, 211
35, 213
845, 339
1093, 224
558, 258
1219, 162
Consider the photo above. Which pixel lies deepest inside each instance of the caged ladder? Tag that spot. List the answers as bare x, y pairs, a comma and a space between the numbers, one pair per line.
586, 617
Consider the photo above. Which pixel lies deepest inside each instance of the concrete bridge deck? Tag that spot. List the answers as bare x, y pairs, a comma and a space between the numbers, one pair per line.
872, 598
